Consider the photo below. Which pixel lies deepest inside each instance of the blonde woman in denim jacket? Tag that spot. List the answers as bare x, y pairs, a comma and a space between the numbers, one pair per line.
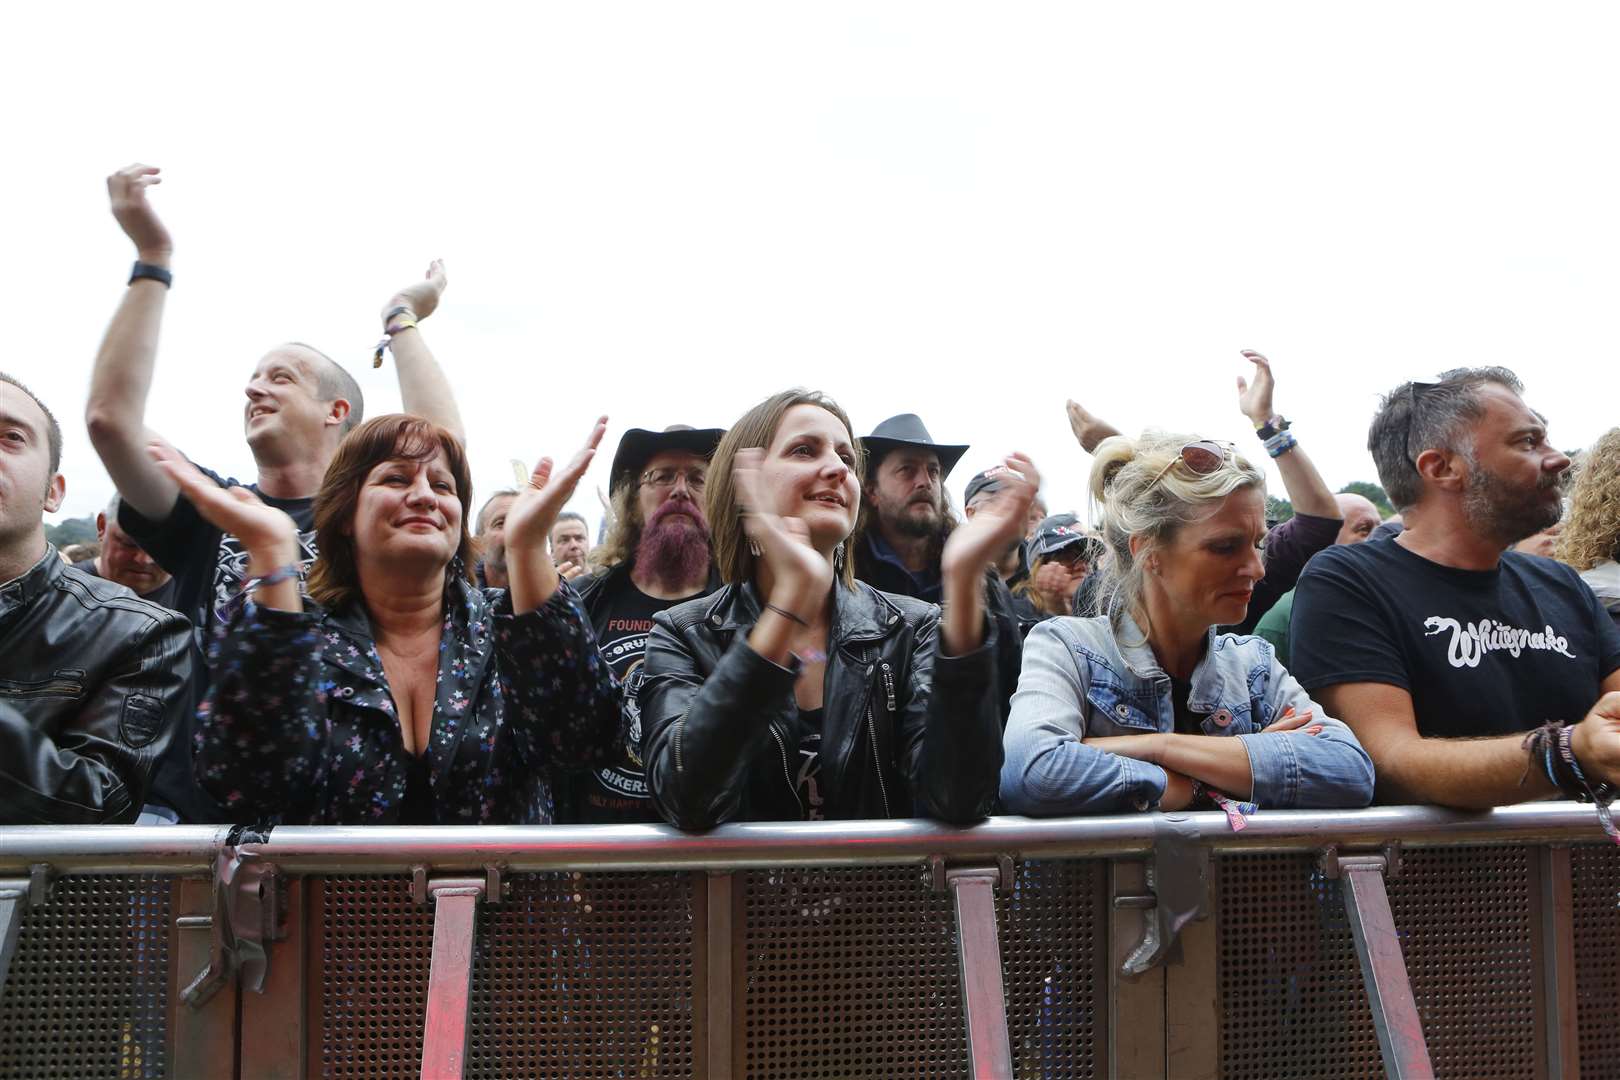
1149, 707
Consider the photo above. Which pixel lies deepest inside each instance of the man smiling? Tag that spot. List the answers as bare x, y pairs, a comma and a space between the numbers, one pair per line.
299, 406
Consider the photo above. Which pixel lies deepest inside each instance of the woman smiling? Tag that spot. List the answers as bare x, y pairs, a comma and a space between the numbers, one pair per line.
1138, 709
403, 695
796, 692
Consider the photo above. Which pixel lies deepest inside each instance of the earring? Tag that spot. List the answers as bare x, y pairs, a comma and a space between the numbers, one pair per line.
753, 548
838, 559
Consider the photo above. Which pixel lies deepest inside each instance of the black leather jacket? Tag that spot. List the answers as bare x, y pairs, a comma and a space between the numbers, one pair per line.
92, 679
906, 732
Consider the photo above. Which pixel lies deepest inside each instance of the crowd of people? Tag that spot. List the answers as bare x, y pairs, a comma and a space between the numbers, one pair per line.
787, 619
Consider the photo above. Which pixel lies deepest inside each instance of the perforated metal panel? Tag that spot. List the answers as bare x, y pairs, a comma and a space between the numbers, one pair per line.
88, 991
1596, 871
850, 973
575, 975
376, 946
585, 975
1052, 961
1291, 991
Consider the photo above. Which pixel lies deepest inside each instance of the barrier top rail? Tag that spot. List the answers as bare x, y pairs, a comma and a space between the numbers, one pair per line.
111, 849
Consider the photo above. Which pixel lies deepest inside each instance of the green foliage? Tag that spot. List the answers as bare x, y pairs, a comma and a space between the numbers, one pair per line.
1278, 509
72, 531
1372, 492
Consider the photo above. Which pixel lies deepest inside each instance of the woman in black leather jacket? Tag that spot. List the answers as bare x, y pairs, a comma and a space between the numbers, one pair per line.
796, 692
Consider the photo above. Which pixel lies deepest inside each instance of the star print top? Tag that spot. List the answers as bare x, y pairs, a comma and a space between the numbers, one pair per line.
299, 726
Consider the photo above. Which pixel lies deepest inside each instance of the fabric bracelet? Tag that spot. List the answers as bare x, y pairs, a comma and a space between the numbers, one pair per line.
406, 322
1279, 444
1601, 796
274, 577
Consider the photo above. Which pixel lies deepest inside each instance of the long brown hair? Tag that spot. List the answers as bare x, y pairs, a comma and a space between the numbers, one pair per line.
756, 429
335, 578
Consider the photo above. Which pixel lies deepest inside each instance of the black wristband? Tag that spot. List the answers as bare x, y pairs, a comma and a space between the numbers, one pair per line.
156, 273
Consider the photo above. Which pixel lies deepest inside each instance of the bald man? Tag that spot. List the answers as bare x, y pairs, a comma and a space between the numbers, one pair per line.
1360, 519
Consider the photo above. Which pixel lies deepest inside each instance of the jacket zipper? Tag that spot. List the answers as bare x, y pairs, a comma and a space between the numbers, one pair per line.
54, 687
680, 729
888, 686
787, 775
871, 731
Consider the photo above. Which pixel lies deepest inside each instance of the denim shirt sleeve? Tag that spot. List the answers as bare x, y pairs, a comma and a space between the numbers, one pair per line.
1294, 770
1048, 770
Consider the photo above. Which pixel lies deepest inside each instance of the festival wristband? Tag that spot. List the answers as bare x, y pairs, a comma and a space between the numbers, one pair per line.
274, 577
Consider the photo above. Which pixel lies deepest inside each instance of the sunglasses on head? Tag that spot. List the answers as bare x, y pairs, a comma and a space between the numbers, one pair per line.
1201, 458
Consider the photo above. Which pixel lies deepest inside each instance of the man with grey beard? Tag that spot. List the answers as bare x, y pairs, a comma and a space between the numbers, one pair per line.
654, 555
1464, 668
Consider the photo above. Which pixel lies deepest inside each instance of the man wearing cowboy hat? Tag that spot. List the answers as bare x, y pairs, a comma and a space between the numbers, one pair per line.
904, 522
654, 555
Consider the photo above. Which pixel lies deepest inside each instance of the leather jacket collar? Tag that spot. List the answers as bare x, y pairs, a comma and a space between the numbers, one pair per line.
20, 592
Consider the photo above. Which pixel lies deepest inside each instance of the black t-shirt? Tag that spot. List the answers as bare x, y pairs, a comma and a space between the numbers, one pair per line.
616, 794
208, 565
162, 596
807, 769
1482, 652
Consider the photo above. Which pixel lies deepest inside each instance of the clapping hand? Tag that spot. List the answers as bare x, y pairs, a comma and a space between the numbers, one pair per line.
980, 540
801, 577
529, 569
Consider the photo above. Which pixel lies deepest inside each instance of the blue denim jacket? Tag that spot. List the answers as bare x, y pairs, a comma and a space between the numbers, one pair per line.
1081, 680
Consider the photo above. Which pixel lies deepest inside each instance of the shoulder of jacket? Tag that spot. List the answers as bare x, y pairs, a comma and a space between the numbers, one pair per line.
98, 594
687, 614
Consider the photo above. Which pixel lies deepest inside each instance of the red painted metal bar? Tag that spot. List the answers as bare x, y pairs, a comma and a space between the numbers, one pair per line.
1383, 970
984, 1001
455, 926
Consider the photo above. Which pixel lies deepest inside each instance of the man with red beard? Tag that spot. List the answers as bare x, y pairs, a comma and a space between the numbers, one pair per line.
655, 555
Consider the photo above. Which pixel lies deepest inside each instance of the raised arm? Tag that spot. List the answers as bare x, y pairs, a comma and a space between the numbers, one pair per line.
1089, 430
1305, 487
529, 569
116, 410
423, 388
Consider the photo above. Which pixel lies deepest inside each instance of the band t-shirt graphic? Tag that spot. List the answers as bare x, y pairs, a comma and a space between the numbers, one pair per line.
617, 793
1482, 652
208, 564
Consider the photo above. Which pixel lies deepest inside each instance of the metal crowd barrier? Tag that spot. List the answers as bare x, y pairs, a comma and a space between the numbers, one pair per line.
1410, 940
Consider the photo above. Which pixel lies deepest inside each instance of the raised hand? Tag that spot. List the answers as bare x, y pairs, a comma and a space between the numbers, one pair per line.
1088, 429
422, 297
979, 541
263, 530
570, 570
126, 190
1255, 400
532, 514
801, 577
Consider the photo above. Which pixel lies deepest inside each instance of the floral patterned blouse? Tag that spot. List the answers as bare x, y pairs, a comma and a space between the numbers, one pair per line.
299, 726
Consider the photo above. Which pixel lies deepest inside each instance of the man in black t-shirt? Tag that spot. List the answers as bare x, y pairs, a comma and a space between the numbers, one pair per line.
1440, 648
299, 406
655, 555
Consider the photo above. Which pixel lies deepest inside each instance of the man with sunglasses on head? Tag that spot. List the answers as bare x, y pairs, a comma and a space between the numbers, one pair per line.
654, 555
1474, 675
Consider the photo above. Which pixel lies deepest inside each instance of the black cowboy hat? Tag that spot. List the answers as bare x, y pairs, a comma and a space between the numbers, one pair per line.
638, 446
907, 430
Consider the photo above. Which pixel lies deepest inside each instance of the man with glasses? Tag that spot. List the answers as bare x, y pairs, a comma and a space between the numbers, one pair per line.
654, 555
1474, 675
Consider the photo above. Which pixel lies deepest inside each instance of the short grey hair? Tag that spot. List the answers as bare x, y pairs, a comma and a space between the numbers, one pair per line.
483, 511
1140, 493
1415, 417
333, 381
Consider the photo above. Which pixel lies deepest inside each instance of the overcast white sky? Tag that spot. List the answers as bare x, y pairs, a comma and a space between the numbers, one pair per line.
666, 211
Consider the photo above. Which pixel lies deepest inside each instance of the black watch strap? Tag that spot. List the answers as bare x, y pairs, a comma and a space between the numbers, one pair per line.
156, 273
